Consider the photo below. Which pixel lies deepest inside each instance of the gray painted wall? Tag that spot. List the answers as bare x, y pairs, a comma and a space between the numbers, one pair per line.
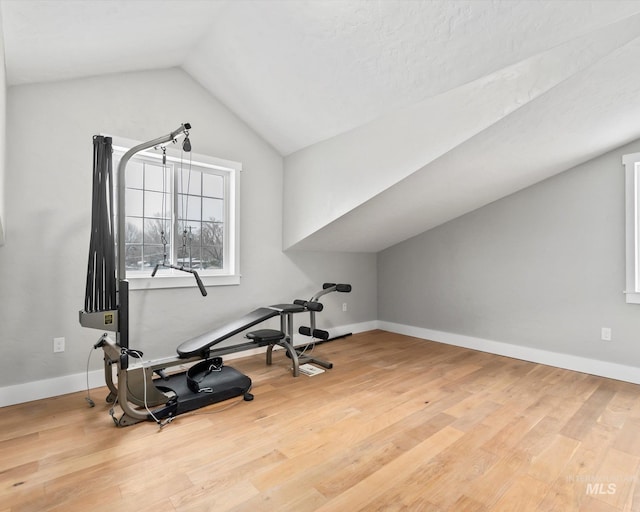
48, 185
542, 268
3, 110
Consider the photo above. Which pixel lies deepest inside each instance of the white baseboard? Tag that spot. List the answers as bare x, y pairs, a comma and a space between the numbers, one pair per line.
56, 386
353, 328
47, 388
567, 361
37, 390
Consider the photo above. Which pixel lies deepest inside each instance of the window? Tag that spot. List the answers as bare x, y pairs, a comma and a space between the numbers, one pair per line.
182, 211
632, 187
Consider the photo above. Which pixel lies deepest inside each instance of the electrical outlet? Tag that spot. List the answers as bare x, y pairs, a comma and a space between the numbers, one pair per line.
344, 306
58, 344
606, 334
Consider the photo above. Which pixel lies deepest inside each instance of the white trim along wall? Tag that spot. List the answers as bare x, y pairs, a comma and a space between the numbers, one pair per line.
29, 391
47, 388
567, 361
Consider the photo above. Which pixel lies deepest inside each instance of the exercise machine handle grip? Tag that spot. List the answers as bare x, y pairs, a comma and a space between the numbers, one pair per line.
331, 287
316, 333
314, 306
345, 288
203, 290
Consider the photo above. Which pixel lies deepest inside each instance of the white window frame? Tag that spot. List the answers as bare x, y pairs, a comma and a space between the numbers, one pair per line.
169, 278
632, 226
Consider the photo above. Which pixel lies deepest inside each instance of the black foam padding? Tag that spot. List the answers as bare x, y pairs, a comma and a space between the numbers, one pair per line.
198, 345
320, 334
327, 285
265, 336
315, 306
345, 288
225, 384
317, 333
203, 290
199, 371
305, 331
288, 308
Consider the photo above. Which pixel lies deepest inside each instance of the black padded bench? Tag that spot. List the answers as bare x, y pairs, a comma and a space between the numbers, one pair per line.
263, 337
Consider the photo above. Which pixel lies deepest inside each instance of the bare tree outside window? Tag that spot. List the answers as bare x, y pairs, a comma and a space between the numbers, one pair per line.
173, 215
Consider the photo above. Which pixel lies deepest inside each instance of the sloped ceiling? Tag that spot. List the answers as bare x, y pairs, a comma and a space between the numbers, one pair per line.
305, 73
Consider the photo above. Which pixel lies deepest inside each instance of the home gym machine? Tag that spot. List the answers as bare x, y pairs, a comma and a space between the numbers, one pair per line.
145, 385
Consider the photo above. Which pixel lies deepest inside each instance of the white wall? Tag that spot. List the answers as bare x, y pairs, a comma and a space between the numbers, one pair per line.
351, 182
3, 100
542, 269
48, 186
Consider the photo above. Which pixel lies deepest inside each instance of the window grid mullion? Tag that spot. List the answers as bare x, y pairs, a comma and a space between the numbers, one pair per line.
174, 209
143, 252
148, 248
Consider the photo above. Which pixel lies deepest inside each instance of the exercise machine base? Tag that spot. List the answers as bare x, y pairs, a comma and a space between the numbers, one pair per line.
215, 387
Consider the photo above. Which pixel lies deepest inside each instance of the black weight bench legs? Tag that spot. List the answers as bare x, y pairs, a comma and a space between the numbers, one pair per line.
297, 357
271, 338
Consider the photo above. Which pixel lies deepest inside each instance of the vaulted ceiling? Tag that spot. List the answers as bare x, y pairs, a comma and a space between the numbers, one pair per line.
305, 73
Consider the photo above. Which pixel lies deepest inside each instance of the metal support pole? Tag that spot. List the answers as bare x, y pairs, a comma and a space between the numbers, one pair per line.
122, 274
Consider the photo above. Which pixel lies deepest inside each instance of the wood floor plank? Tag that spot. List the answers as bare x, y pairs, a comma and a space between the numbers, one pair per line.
549, 464
525, 493
614, 480
628, 439
582, 421
399, 423
633, 501
369, 489
619, 409
493, 483
451, 471
568, 491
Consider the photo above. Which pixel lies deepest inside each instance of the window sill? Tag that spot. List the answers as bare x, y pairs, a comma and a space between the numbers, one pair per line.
146, 282
632, 297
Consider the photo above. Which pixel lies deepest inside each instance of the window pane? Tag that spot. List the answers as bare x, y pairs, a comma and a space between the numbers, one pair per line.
153, 177
212, 209
153, 230
212, 256
133, 176
212, 233
195, 259
189, 181
212, 185
133, 200
153, 204
189, 207
190, 258
193, 233
194, 198
153, 254
133, 257
187, 238
133, 231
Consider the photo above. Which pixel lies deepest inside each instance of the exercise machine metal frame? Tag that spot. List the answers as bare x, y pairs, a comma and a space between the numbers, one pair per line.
137, 390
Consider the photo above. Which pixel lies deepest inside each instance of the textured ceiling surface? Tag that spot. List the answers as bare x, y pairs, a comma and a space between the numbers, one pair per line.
303, 72
297, 71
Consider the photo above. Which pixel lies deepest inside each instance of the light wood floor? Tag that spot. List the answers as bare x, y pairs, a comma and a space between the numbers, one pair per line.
398, 424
